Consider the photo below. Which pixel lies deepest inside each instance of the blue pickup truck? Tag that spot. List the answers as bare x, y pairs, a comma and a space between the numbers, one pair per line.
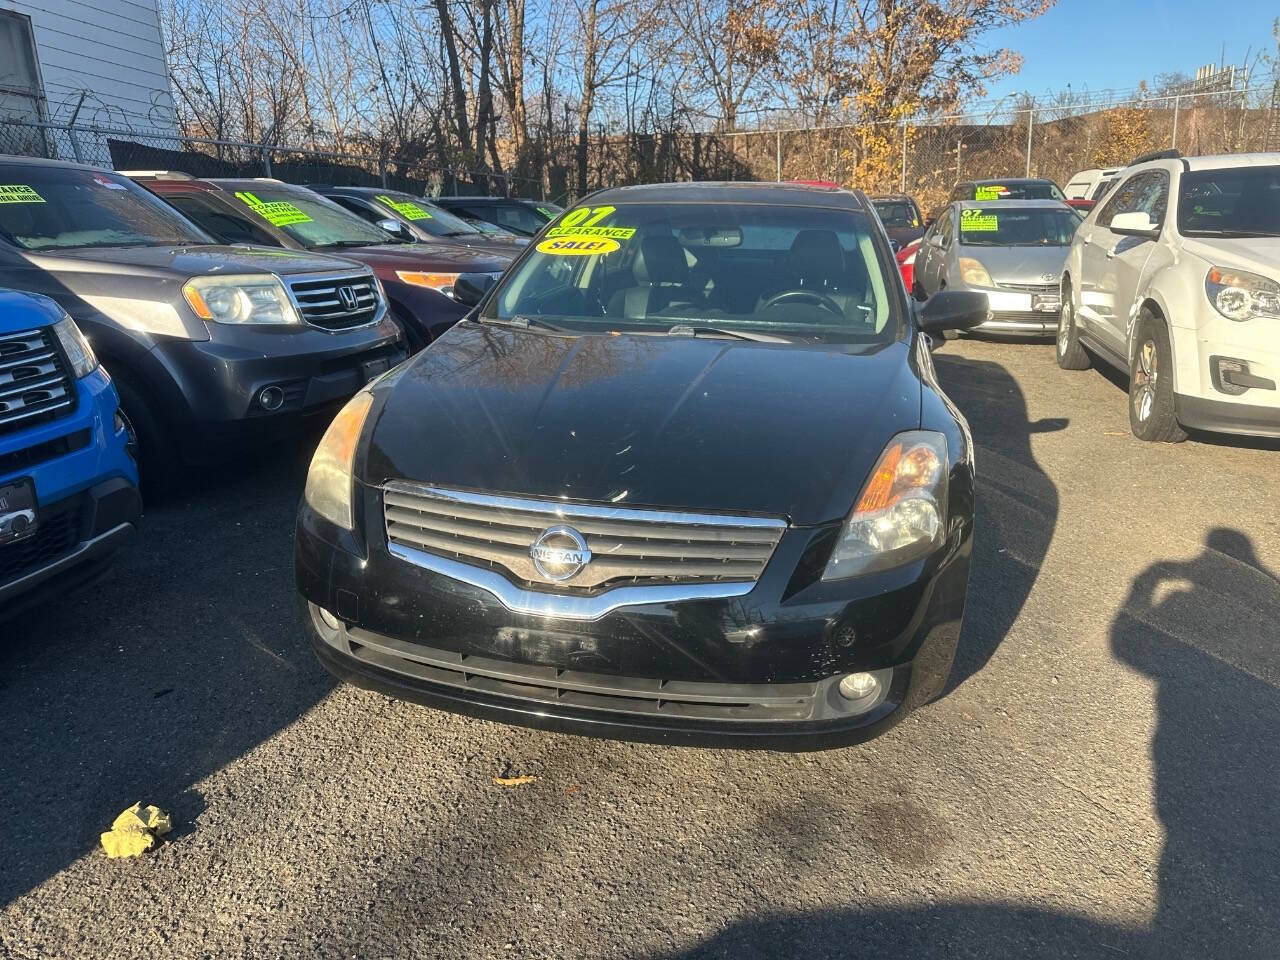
68, 483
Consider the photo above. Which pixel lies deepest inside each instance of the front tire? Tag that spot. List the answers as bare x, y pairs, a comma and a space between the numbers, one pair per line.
1151, 411
1071, 353
159, 468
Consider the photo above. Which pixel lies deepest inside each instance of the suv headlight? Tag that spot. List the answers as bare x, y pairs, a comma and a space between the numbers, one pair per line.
439, 282
76, 347
247, 298
901, 513
331, 476
1239, 295
974, 273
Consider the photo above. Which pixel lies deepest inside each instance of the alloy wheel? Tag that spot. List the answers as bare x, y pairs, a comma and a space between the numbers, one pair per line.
1144, 380
1065, 319
130, 434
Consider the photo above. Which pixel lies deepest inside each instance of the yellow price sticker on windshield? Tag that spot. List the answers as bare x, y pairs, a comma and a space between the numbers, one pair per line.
406, 209
278, 213
978, 221
990, 192
18, 193
577, 245
584, 222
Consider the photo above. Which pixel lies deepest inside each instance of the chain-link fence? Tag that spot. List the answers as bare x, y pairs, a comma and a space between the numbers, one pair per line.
1053, 138
134, 149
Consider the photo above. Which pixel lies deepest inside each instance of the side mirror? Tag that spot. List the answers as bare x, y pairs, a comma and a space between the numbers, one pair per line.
952, 310
1135, 224
394, 226
470, 288
935, 240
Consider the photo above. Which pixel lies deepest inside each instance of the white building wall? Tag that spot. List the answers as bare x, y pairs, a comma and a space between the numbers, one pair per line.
105, 57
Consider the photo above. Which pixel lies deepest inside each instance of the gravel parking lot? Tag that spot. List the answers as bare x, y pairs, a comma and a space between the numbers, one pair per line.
1100, 780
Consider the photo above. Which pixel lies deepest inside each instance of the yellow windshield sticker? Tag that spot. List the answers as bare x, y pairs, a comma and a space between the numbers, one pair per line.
577, 245
17, 193
585, 222
406, 208
990, 192
978, 221
278, 213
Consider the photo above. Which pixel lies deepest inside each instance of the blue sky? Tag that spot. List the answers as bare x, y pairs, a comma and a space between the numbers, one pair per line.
1114, 44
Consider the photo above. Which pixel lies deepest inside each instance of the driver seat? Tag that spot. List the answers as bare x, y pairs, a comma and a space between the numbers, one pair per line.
816, 262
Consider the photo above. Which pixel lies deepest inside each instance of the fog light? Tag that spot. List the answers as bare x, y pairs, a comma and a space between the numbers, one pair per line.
328, 619
271, 398
859, 686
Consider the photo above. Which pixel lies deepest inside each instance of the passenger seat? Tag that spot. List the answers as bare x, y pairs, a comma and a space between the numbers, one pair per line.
662, 281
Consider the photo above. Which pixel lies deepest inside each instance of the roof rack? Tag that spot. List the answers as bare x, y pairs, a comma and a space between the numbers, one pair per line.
1156, 155
156, 174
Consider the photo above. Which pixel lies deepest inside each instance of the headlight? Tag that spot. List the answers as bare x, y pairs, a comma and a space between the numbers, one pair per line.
330, 479
440, 282
1238, 295
974, 273
248, 298
902, 510
76, 347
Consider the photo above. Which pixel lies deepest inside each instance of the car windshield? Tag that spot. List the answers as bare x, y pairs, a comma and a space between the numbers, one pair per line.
1236, 202
424, 215
733, 267
314, 221
63, 208
1035, 190
896, 213
1001, 226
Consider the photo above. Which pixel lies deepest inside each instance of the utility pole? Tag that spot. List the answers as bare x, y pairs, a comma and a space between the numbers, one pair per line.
1031, 113
777, 150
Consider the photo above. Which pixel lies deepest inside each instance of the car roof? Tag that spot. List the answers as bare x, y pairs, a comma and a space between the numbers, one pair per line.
1012, 204
895, 197
1220, 160
14, 159
735, 191
1006, 180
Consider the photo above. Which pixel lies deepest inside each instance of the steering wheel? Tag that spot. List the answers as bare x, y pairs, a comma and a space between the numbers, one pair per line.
801, 294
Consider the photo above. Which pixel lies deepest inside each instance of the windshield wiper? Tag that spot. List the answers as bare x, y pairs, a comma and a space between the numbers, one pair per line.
347, 243
688, 330
1211, 232
522, 322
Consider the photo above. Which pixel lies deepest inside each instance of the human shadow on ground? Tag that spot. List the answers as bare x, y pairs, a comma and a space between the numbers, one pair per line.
1203, 631
186, 655
1016, 509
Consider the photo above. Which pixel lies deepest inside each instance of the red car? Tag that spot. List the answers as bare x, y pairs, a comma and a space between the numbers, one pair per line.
906, 258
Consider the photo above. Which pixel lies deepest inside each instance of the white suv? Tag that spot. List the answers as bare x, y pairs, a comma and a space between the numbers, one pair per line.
1175, 280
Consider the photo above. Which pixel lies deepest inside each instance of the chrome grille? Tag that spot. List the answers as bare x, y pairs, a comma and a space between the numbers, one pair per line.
336, 303
35, 384
1030, 287
628, 546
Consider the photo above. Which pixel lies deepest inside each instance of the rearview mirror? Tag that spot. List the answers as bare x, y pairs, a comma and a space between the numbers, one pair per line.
394, 226
470, 288
1135, 224
952, 310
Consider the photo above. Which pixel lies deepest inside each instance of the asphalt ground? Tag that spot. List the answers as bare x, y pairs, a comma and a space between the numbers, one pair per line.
1102, 778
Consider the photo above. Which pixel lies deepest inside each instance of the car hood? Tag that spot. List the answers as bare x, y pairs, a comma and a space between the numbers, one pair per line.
1259, 254
699, 424
1020, 264
187, 262
444, 257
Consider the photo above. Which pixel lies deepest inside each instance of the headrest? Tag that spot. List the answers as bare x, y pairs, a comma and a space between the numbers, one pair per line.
816, 256
661, 260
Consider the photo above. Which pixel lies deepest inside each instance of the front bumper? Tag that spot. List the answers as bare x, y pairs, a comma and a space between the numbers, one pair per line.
1211, 391
73, 547
759, 670
221, 381
1018, 313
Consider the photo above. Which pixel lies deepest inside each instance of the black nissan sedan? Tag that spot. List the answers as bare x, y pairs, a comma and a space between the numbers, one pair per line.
684, 475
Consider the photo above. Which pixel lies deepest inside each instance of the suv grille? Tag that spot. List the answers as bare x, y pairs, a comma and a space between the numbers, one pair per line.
35, 384
337, 303
628, 546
